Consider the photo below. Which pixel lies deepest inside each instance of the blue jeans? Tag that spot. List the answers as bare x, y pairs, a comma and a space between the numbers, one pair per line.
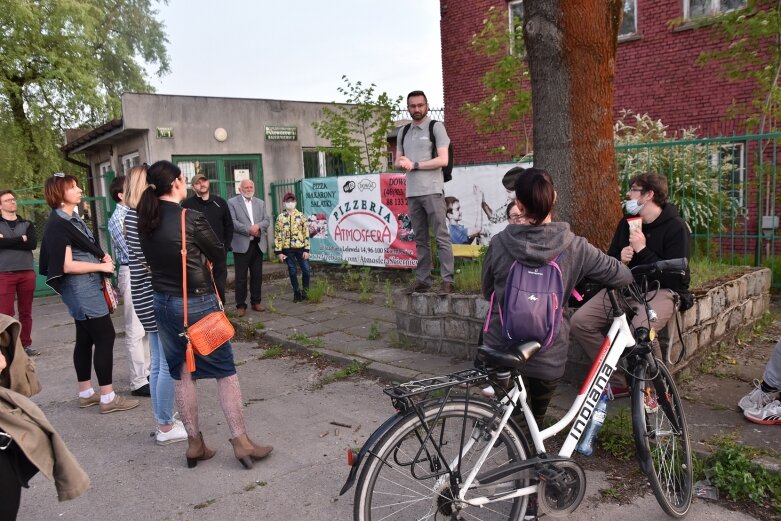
169, 313
293, 256
160, 382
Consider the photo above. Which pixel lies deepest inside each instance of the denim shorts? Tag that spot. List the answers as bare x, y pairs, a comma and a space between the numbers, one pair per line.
169, 313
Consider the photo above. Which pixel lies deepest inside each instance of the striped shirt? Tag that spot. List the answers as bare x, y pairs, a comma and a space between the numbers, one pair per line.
140, 276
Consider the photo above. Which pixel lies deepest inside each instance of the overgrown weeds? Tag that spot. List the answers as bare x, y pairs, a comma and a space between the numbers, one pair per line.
353, 369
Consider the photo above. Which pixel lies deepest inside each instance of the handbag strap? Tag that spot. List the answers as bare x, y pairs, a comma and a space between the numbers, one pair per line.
184, 273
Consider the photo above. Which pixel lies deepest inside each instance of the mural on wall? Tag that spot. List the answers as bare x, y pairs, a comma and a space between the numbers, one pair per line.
363, 219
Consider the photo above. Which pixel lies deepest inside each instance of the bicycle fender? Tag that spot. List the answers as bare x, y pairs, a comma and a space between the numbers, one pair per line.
367, 446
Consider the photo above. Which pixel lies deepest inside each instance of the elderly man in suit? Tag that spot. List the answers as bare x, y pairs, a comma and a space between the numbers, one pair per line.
249, 243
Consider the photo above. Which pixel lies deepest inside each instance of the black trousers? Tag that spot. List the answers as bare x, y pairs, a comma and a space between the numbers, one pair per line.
97, 332
220, 271
15, 471
252, 262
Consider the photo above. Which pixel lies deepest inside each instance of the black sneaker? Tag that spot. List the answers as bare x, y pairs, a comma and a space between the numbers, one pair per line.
141, 391
31, 352
297, 296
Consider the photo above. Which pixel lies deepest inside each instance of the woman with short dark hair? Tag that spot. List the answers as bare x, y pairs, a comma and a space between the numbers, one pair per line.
159, 224
74, 266
534, 241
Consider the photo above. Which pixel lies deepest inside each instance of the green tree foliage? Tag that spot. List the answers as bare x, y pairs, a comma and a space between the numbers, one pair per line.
64, 64
753, 52
507, 92
700, 175
358, 131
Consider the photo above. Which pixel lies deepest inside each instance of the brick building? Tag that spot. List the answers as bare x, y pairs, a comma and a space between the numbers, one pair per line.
656, 73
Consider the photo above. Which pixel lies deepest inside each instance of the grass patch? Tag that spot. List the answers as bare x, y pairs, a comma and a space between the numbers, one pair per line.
731, 469
306, 340
704, 270
353, 369
375, 331
260, 325
468, 275
270, 304
275, 351
320, 289
387, 290
616, 435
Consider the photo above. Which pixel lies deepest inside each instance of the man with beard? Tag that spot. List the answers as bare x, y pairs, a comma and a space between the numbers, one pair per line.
425, 191
217, 214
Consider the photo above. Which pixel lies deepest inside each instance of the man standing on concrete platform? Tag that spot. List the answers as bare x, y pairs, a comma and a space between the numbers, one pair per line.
215, 208
425, 191
136, 341
250, 240
17, 277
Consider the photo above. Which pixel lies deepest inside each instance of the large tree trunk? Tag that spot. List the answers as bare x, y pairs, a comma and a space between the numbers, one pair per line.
20, 119
571, 46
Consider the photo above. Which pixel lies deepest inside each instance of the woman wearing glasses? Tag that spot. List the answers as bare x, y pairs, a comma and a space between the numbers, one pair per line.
159, 225
74, 266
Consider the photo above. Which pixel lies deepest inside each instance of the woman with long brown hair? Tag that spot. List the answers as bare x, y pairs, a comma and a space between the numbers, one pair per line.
159, 224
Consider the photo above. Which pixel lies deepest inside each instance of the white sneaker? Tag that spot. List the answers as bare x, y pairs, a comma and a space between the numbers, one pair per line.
770, 414
177, 433
757, 398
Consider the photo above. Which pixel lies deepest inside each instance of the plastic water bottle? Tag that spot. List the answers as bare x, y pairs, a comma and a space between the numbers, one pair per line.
586, 445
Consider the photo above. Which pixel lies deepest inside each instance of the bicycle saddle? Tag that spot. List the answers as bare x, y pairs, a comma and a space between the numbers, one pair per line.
514, 357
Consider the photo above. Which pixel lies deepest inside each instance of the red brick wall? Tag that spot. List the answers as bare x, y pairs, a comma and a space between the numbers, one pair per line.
656, 73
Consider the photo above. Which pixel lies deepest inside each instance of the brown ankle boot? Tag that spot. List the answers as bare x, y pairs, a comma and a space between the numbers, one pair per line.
197, 450
246, 451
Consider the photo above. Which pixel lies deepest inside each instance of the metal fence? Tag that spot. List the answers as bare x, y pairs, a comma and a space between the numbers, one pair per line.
278, 191
725, 188
94, 211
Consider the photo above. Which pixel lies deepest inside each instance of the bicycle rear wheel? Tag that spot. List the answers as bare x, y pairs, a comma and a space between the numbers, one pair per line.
662, 437
395, 485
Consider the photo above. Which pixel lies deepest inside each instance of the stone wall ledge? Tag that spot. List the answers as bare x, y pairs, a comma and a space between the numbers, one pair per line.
450, 324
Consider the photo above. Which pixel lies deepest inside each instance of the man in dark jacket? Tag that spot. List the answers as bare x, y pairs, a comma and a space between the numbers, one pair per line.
17, 277
217, 214
658, 234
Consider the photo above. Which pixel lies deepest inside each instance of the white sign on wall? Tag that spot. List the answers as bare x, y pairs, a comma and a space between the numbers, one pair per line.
239, 175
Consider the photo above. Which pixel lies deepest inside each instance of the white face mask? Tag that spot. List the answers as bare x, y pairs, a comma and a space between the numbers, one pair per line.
289, 205
631, 206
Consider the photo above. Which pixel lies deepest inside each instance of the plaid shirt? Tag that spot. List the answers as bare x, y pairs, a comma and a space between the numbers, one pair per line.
116, 226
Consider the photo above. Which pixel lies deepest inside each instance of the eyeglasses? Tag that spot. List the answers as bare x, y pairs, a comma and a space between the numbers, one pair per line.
636, 190
11, 200
417, 106
515, 218
58, 174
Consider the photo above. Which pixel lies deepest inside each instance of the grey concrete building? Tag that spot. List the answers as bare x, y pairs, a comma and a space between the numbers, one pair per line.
227, 139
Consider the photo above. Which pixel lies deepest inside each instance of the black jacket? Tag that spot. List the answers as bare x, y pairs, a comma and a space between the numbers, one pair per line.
666, 238
163, 252
217, 214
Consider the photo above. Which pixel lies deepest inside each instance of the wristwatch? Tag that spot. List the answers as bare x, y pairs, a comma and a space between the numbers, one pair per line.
415, 165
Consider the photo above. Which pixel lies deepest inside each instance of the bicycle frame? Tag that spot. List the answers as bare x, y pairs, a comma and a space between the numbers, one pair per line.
619, 337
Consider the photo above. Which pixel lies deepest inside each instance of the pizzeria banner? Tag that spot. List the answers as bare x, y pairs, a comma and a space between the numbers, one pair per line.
360, 220
363, 219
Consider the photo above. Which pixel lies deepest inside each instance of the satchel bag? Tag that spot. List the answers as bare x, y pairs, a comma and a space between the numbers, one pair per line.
110, 294
211, 331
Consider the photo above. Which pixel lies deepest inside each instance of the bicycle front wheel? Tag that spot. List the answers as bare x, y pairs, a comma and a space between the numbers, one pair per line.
662, 437
400, 481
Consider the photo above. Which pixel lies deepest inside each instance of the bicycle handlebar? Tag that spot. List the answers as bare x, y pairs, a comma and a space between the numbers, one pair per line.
678, 266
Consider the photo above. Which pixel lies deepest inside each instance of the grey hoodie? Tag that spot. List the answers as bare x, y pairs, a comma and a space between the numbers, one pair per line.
535, 246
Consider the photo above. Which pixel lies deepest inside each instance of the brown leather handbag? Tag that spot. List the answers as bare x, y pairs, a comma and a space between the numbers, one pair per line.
211, 331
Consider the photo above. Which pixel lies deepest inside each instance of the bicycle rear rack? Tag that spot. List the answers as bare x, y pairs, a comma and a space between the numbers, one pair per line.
402, 395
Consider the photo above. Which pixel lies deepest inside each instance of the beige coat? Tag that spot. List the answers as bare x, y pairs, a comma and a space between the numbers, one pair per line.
26, 423
20, 374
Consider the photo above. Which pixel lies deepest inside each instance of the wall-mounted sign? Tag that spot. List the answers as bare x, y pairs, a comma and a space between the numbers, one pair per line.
239, 175
165, 132
281, 133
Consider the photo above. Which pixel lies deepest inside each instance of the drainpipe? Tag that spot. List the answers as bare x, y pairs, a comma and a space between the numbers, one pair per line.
91, 181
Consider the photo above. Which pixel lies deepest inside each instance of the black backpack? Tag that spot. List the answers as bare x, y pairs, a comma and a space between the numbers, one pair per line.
447, 171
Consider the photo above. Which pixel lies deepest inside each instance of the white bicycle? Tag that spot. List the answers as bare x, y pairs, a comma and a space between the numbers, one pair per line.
464, 458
